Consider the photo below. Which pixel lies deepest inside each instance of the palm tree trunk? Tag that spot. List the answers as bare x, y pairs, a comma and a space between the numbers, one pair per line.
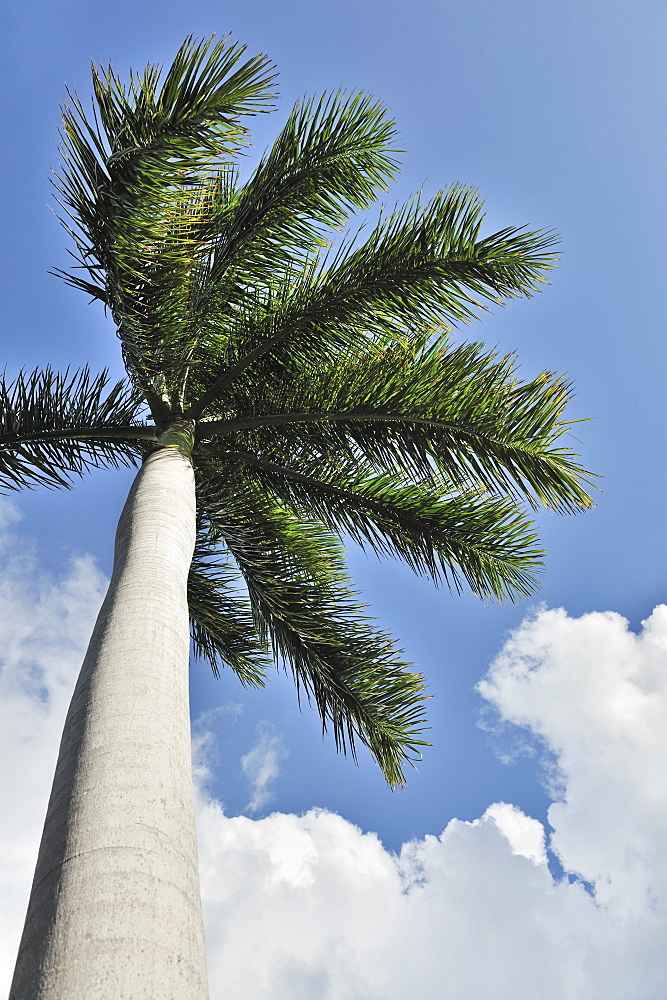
115, 911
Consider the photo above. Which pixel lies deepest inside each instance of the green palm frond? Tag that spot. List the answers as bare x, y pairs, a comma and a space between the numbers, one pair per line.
135, 187
424, 409
310, 550
349, 669
421, 267
447, 536
360, 687
221, 622
145, 141
332, 157
54, 426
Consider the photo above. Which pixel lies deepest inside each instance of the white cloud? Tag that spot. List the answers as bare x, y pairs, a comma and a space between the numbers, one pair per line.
305, 906
261, 766
524, 835
309, 906
204, 740
596, 693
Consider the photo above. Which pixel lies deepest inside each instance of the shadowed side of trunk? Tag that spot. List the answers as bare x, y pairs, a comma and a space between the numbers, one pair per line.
115, 911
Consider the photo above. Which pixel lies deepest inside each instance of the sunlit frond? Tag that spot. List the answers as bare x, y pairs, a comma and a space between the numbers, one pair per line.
332, 157
424, 409
447, 535
135, 188
421, 267
340, 661
221, 623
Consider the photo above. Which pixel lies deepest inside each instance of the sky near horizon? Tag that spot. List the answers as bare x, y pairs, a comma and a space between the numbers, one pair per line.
533, 833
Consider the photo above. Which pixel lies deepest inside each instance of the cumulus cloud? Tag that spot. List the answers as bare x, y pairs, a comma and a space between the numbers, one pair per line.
311, 906
524, 835
596, 694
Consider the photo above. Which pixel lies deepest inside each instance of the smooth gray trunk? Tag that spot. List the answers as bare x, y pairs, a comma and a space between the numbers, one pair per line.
115, 911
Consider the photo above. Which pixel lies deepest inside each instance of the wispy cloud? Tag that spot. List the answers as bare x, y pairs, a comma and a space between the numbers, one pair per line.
261, 766
205, 755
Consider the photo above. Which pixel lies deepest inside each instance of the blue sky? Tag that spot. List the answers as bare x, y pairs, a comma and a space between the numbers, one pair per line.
555, 112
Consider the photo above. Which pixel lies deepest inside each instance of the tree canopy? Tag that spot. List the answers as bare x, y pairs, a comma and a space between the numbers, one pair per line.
310, 372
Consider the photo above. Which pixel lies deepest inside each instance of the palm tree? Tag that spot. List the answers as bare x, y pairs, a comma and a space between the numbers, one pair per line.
301, 387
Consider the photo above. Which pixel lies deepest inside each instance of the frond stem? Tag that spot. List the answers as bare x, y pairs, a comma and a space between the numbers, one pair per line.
141, 432
216, 427
298, 477
196, 410
221, 427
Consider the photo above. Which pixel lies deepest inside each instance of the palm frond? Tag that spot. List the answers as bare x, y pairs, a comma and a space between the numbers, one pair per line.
135, 189
332, 157
421, 267
423, 409
54, 426
221, 622
445, 535
349, 669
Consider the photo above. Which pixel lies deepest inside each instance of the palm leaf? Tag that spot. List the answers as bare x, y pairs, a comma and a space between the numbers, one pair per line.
135, 189
421, 267
344, 665
445, 535
221, 622
332, 157
54, 426
420, 408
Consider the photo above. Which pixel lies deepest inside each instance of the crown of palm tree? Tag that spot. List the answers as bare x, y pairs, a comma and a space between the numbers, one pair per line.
311, 378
